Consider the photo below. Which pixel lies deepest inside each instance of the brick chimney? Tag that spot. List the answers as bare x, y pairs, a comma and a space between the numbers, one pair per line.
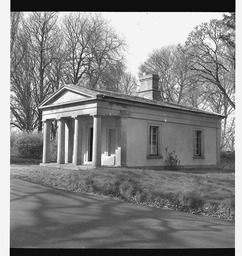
149, 87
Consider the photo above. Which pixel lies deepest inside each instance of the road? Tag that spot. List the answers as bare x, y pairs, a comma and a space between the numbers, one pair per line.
51, 218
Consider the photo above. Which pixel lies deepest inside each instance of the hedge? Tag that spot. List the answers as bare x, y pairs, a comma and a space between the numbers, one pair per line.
29, 145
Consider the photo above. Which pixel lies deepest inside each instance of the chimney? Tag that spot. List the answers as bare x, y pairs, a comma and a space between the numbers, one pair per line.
149, 87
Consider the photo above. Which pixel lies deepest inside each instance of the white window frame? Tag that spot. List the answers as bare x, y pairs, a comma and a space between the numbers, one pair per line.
201, 143
158, 139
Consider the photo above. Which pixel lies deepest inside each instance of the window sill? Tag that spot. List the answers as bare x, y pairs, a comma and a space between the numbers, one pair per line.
198, 157
154, 157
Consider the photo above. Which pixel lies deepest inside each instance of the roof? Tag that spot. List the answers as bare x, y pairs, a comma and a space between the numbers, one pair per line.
99, 93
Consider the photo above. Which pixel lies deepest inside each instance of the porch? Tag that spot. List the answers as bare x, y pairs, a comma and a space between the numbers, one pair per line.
85, 140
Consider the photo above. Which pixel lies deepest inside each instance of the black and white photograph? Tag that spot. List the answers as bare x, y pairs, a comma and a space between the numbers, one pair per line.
122, 130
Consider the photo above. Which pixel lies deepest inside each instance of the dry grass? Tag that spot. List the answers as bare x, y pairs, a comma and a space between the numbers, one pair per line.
208, 192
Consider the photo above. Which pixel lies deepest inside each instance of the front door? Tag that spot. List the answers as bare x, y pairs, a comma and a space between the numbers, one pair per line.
90, 143
111, 141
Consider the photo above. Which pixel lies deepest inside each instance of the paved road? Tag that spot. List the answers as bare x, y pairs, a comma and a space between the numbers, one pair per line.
51, 218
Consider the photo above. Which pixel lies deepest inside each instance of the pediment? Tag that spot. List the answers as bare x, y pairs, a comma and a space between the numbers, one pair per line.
66, 95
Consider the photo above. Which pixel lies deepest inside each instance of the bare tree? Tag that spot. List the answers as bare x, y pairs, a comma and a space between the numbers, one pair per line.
33, 52
110, 77
208, 53
56, 68
211, 49
128, 84
15, 18
172, 65
229, 35
42, 33
22, 105
93, 49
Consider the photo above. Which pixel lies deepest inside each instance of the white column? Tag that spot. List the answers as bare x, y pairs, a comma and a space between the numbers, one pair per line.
118, 142
97, 140
77, 142
61, 142
46, 142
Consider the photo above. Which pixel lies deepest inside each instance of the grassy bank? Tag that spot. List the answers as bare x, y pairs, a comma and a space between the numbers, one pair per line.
207, 192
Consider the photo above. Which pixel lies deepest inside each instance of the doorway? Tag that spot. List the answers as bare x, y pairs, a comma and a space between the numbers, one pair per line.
90, 144
111, 141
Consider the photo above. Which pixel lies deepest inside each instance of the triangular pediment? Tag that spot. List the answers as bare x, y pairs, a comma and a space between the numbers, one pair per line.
68, 95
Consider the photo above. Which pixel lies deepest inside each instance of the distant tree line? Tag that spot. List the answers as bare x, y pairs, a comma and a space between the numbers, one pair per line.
48, 50
201, 73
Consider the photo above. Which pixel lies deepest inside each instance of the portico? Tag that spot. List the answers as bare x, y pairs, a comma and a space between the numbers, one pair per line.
80, 141
86, 133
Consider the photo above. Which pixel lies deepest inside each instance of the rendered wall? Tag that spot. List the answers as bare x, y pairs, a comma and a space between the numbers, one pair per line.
178, 137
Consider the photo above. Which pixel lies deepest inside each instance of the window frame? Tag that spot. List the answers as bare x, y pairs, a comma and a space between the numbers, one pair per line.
201, 155
158, 139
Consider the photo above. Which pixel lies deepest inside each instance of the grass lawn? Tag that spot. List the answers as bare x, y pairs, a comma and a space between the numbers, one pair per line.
207, 192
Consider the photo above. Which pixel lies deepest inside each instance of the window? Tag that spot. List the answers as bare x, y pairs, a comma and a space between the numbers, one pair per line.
153, 140
198, 143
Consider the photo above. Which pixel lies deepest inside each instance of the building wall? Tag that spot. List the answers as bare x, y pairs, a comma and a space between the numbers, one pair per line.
178, 137
174, 136
177, 131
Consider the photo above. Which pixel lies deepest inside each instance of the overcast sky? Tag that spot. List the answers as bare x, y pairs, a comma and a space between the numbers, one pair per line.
146, 31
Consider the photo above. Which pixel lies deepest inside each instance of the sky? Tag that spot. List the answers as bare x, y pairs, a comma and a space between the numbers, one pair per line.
146, 31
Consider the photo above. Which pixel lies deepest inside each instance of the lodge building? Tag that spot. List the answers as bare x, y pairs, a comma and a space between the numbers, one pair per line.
103, 128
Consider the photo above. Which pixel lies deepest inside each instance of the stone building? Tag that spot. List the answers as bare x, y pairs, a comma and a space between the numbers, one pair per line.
103, 128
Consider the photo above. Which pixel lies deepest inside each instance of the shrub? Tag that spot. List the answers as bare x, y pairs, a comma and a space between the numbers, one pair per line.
227, 159
30, 145
172, 160
13, 146
24, 161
